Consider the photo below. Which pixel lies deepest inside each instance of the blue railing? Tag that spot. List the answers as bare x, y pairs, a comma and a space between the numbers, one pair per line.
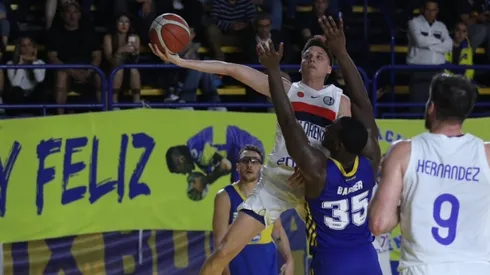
112, 105
44, 107
393, 104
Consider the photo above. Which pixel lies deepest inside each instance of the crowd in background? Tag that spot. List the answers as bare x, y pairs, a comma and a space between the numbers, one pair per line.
72, 34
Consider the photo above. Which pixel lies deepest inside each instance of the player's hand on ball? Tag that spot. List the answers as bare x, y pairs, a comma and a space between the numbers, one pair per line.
165, 56
334, 34
268, 56
296, 180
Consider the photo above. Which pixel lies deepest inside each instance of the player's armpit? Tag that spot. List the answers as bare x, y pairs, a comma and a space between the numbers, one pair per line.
345, 106
383, 210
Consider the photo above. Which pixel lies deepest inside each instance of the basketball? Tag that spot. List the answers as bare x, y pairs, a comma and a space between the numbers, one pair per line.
170, 31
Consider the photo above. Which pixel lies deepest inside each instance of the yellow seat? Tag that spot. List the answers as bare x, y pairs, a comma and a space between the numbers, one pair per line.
386, 48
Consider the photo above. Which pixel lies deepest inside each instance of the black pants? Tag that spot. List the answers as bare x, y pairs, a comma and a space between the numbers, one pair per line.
419, 88
18, 96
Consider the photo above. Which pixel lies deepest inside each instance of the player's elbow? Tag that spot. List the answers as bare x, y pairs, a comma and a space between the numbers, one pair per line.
379, 225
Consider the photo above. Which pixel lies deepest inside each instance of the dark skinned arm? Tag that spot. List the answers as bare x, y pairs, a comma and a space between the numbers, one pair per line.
310, 160
360, 104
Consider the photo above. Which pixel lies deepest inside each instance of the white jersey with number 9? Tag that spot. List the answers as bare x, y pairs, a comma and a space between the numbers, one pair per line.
445, 207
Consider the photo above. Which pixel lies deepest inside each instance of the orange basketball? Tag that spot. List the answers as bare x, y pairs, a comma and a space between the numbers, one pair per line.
170, 32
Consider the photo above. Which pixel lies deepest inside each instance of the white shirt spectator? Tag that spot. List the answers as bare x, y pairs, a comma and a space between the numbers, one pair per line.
427, 43
19, 78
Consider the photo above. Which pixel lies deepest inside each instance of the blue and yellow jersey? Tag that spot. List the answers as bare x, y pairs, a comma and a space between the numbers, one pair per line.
260, 255
226, 142
465, 58
338, 217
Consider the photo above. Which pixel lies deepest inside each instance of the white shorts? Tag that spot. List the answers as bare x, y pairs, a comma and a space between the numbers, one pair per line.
475, 268
384, 262
265, 204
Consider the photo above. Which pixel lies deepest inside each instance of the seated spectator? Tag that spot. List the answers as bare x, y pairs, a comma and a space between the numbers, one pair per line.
264, 33
4, 26
122, 46
232, 24
477, 17
428, 44
194, 78
51, 8
73, 43
25, 85
274, 8
309, 26
462, 54
146, 11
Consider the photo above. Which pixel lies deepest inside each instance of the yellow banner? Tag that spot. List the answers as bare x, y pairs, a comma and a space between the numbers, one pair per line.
110, 171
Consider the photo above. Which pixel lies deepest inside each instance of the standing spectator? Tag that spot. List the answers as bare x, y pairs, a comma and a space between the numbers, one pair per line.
122, 46
232, 24
25, 85
194, 78
428, 43
475, 15
73, 43
462, 54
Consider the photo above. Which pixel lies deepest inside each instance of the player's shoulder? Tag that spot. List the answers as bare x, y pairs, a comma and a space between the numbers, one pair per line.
222, 195
400, 147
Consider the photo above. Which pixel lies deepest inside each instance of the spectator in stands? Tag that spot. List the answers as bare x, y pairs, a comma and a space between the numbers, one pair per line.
274, 8
462, 54
194, 78
146, 11
51, 8
476, 16
122, 46
73, 43
264, 33
25, 85
309, 26
428, 44
4, 26
232, 24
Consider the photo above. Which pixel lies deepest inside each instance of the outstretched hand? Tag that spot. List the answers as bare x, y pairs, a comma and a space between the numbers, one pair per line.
165, 56
334, 35
268, 56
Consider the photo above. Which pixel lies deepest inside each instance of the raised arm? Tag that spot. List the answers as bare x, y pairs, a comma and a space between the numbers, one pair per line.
246, 75
359, 99
309, 159
384, 212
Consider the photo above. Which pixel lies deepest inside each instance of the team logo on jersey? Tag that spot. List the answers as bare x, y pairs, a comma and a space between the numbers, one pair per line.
328, 100
300, 94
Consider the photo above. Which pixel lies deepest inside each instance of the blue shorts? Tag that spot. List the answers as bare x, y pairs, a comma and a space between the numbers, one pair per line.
347, 261
256, 259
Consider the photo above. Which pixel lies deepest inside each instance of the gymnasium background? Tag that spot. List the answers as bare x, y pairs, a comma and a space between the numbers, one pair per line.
53, 203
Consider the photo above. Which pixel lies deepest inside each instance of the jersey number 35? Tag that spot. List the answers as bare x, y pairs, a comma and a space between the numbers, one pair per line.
352, 210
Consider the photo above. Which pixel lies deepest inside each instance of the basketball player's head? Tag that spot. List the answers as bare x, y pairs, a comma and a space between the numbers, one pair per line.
250, 159
179, 160
316, 61
451, 100
345, 135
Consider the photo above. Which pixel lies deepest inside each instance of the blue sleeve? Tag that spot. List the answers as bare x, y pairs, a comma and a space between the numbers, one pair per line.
238, 139
198, 144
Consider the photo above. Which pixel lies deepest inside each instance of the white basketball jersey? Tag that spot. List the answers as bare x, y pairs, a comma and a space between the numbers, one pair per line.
314, 110
445, 205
